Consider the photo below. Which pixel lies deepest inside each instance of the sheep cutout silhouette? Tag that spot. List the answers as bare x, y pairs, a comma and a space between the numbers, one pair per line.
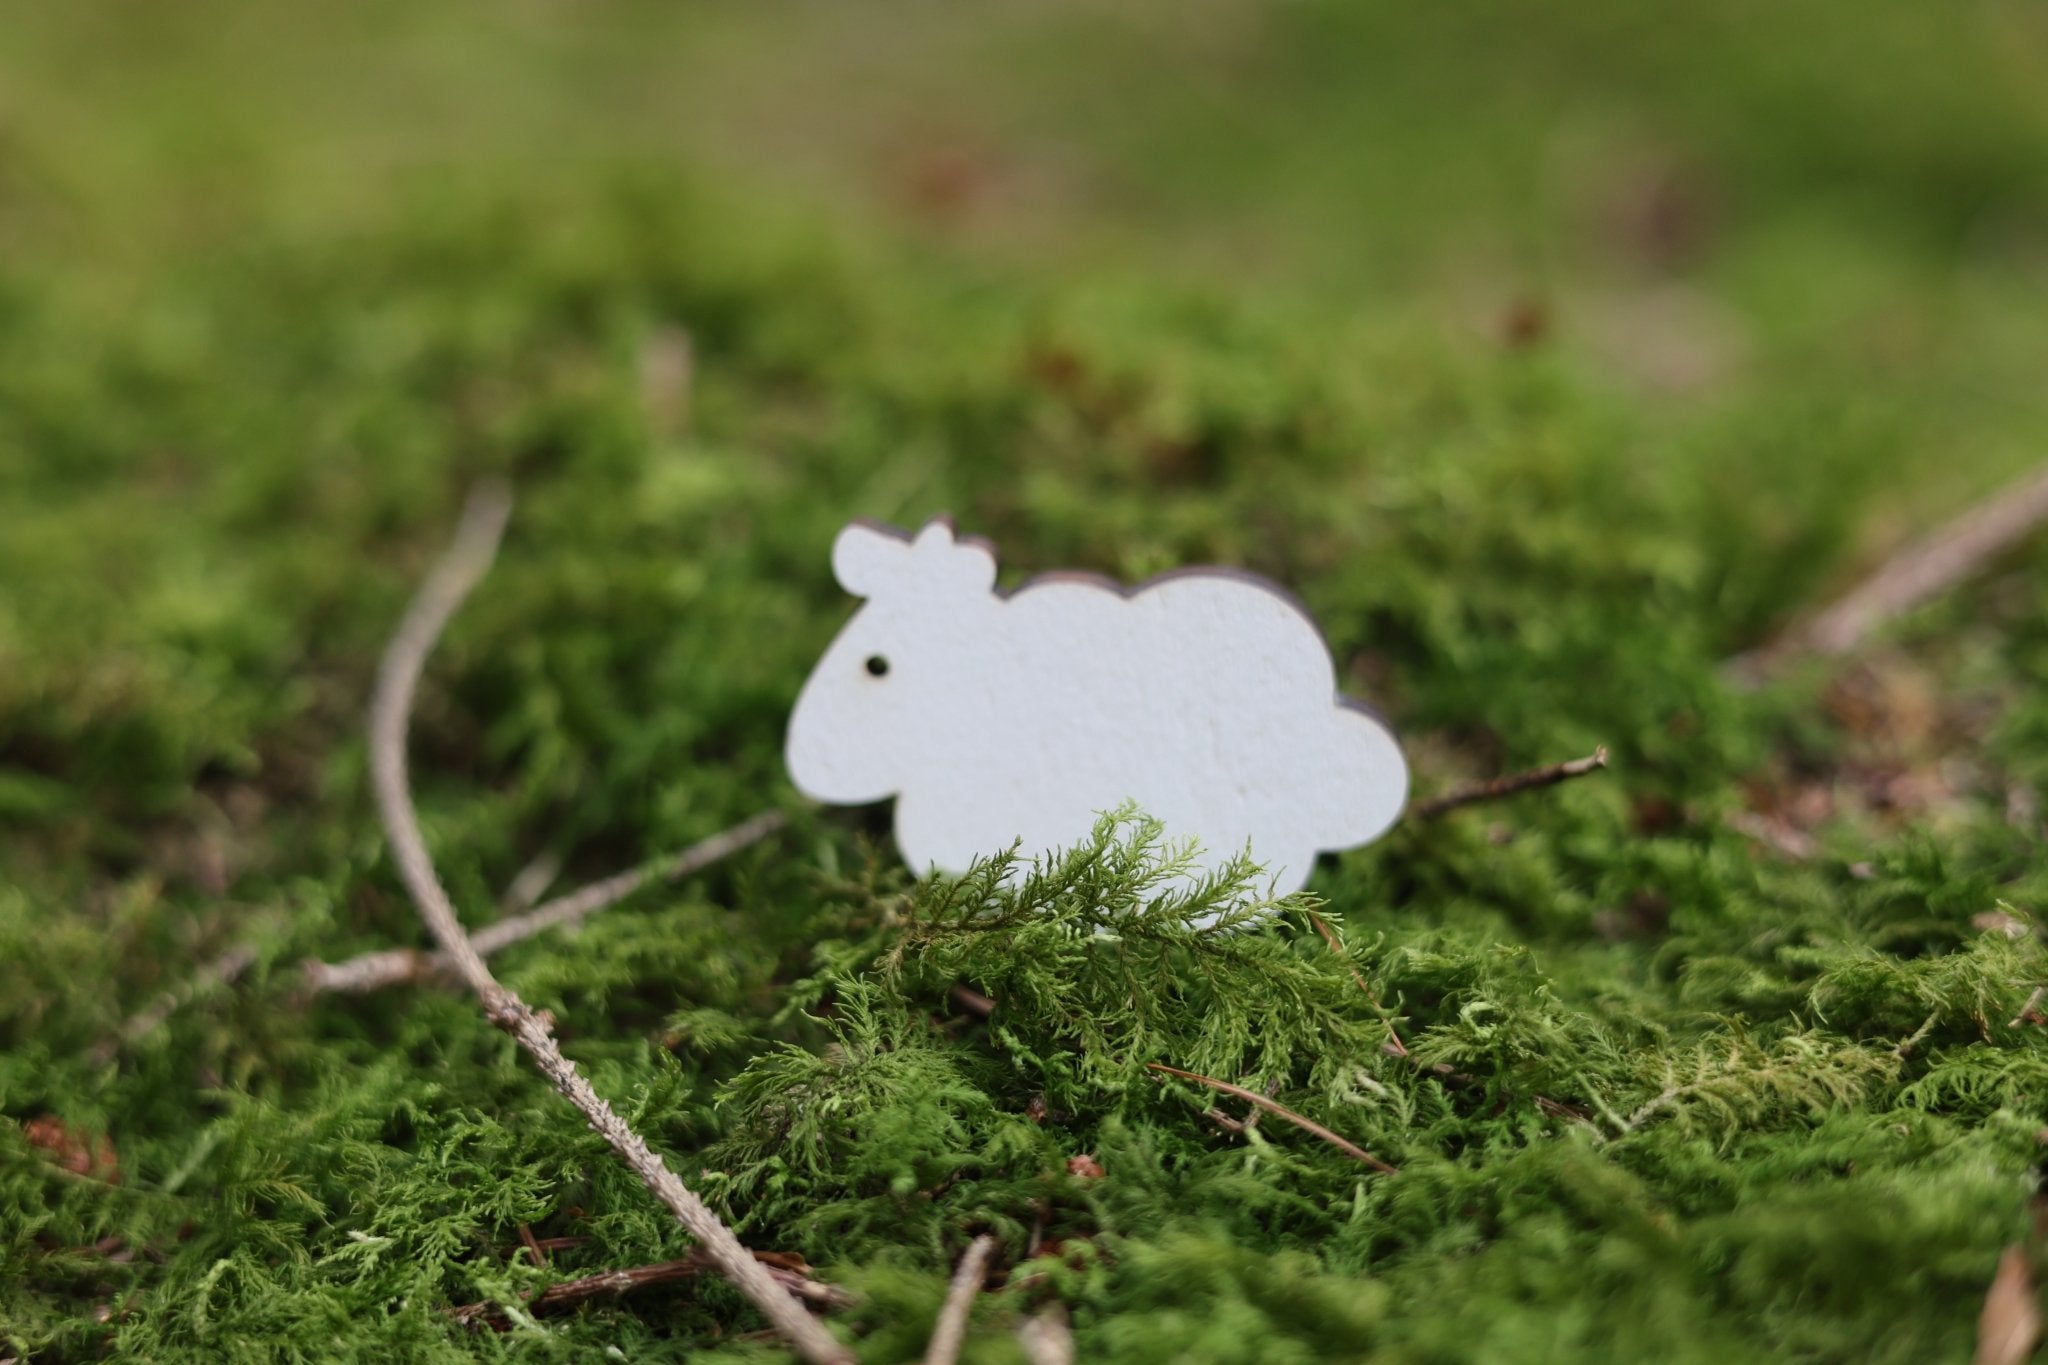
1205, 696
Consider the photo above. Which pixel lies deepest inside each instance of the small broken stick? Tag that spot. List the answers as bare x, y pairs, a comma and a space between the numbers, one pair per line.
1045, 1337
398, 966
951, 1328
395, 966
1393, 1044
614, 1282
2030, 1012
1508, 786
1251, 1114
1281, 1111
2009, 1324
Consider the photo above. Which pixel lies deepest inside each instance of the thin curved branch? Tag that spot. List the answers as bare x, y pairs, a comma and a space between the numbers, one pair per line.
1281, 1111
475, 545
1921, 570
951, 1328
397, 966
1498, 787
1393, 1044
224, 970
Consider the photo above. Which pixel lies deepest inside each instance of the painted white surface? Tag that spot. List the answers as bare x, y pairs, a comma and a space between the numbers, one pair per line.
1207, 697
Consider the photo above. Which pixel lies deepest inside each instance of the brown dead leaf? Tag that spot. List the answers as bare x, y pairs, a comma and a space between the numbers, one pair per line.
1656, 815
942, 177
2011, 1321
1526, 322
77, 1152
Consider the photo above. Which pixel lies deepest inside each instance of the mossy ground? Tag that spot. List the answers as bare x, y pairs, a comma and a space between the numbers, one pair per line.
1552, 356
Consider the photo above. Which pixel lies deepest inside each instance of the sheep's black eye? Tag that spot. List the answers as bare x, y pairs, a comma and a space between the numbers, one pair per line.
877, 666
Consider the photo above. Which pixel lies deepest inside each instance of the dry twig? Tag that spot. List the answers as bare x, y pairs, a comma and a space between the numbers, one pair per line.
1251, 1114
951, 1328
1918, 1036
1777, 835
475, 544
1394, 1044
396, 966
1046, 1338
1923, 569
611, 1282
1508, 786
224, 970
2027, 1011
532, 882
1229, 1124
2010, 1322
400, 966
1281, 1111
973, 1001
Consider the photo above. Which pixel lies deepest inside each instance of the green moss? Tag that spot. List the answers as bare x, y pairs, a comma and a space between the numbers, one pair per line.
1551, 361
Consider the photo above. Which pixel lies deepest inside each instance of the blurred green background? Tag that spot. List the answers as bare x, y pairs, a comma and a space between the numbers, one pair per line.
1552, 353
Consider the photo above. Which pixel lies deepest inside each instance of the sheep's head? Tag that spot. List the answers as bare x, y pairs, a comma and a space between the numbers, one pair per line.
869, 706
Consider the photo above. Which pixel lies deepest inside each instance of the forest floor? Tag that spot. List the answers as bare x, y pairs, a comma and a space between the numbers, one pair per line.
1554, 358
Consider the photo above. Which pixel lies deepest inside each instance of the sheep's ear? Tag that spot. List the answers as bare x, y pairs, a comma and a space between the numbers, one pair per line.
957, 565
865, 557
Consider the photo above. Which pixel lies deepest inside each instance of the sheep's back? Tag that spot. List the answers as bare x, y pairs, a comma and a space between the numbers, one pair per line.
1201, 642
1200, 697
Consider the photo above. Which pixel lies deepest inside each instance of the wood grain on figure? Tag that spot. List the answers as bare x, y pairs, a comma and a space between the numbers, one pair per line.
1207, 697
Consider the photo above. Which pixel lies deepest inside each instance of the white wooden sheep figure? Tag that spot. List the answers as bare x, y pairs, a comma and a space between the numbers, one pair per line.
1205, 696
